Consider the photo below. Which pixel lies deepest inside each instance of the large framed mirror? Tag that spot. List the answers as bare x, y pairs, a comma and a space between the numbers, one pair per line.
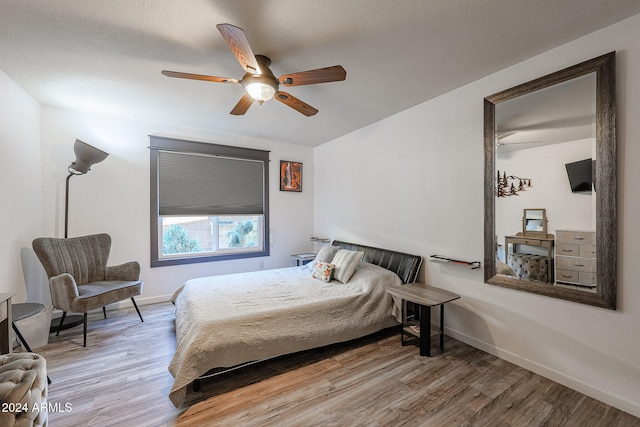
559, 132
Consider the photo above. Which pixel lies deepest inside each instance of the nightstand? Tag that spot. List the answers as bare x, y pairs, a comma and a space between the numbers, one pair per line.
302, 259
424, 297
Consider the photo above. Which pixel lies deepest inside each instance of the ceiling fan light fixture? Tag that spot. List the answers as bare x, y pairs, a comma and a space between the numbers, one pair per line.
259, 82
260, 89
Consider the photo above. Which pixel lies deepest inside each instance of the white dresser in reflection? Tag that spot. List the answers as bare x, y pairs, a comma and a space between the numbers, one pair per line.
575, 261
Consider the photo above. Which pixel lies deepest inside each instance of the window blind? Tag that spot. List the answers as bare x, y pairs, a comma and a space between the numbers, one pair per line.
196, 184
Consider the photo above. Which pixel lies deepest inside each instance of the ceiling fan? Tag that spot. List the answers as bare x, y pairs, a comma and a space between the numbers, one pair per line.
500, 137
259, 82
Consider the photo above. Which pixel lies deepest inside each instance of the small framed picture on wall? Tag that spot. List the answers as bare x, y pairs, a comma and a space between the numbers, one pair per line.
290, 176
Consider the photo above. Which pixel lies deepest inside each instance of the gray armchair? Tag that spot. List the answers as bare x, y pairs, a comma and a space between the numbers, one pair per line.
79, 278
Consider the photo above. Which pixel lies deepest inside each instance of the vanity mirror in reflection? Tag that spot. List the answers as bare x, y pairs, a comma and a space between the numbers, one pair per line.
559, 132
534, 222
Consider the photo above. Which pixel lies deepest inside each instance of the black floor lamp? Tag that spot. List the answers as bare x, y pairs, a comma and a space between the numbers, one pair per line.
86, 156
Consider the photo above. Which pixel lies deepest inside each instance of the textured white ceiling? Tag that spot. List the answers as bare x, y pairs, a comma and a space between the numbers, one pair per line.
105, 56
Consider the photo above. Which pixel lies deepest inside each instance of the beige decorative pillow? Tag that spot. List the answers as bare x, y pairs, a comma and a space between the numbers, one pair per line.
322, 270
345, 264
326, 253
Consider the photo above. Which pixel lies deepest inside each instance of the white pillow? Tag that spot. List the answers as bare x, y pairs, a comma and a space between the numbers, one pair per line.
345, 263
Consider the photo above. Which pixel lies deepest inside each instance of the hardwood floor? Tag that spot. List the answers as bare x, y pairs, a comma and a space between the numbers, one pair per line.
121, 379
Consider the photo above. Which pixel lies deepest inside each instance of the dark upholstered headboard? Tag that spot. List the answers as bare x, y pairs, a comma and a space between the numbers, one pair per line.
406, 266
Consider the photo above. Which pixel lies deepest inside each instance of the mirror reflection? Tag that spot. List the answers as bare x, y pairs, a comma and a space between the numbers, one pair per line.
530, 253
548, 144
534, 222
538, 135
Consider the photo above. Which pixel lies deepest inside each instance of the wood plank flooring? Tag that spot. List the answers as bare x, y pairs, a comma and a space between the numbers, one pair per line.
121, 379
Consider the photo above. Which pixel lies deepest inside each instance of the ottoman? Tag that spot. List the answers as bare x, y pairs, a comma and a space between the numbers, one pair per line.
23, 390
529, 267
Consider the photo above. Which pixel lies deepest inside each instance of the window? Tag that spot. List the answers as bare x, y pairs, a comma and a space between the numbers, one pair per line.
209, 202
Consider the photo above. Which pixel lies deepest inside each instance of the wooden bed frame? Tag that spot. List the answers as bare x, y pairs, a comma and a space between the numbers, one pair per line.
405, 265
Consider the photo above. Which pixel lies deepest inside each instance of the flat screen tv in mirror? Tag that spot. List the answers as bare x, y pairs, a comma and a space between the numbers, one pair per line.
580, 175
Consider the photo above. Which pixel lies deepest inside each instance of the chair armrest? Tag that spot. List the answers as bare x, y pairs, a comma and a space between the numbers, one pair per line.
128, 272
63, 291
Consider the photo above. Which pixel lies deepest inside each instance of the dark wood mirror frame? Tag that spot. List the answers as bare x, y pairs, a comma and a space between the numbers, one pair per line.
605, 183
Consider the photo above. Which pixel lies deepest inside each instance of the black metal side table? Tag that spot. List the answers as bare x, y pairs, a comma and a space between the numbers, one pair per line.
22, 311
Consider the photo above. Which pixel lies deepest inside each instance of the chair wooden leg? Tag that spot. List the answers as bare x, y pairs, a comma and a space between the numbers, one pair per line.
136, 306
64, 314
104, 312
84, 344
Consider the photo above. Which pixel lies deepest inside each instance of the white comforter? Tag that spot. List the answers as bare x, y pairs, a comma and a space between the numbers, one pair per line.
222, 321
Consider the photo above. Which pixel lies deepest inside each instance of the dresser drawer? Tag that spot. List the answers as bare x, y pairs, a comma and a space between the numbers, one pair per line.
586, 278
523, 241
587, 251
568, 250
570, 276
576, 237
576, 264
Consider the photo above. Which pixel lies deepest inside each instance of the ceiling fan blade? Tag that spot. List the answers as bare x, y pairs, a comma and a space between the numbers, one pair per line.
242, 106
319, 75
518, 143
505, 135
295, 103
199, 77
239, 45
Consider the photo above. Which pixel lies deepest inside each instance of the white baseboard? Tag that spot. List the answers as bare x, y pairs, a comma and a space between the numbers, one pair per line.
619, 402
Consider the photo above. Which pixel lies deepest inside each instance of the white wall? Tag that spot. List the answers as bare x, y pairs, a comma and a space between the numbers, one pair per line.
114, 196
414, 182
20, 216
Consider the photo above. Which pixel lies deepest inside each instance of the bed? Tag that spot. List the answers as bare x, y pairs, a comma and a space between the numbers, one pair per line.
226, 321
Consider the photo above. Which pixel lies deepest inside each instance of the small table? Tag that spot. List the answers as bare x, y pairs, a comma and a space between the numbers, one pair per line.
22, 311
5, 321
425, 297
302, 259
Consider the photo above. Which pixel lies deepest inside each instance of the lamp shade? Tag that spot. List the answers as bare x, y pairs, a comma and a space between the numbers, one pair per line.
86, 155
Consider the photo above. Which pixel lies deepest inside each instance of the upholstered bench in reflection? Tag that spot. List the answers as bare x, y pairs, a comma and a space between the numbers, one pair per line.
529, 267
23, 390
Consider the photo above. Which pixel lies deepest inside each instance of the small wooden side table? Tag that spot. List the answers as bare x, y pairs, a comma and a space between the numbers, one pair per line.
424, 297
5, 322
